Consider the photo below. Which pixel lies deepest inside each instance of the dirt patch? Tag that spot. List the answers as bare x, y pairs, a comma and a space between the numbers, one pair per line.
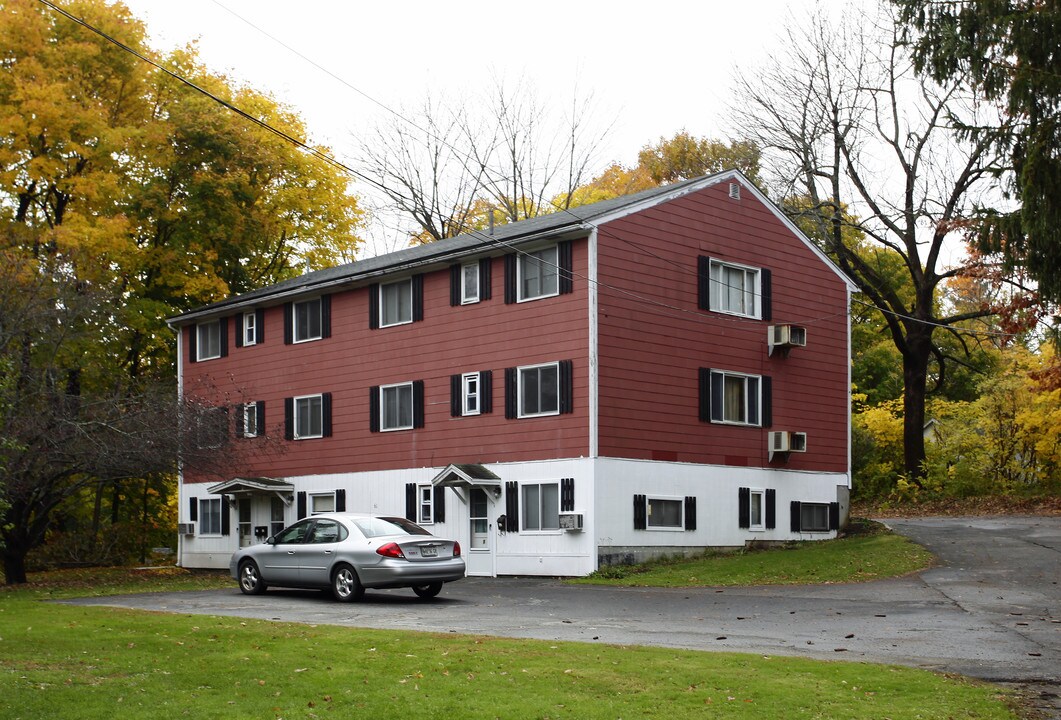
953, 507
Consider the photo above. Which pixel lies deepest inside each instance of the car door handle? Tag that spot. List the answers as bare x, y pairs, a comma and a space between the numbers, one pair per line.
327, 552
290, 552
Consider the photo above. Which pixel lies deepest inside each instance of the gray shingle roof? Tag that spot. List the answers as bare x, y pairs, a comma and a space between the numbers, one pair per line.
450, 249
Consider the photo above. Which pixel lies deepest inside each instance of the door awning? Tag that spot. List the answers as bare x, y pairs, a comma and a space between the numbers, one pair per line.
243, 487
467, 476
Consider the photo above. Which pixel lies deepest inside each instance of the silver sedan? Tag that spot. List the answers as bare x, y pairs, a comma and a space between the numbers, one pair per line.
349, 552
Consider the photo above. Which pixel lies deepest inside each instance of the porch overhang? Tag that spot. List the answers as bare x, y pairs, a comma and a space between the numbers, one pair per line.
464, 477
246, 487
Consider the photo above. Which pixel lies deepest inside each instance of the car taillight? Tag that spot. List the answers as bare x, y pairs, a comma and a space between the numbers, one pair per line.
456, 549
390, 550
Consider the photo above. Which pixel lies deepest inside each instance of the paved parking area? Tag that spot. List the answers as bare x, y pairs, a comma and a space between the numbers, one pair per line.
992, 609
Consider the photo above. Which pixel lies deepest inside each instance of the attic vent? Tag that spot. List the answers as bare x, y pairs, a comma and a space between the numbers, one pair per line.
734, 191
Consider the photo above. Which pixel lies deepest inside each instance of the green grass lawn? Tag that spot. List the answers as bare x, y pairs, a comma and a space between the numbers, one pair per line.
869, 553
64, 661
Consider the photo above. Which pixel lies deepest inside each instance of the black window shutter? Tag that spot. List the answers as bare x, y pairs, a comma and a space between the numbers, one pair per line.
567, 495
289, 323
834, 516
289, 418
766, 287
566, 262
771, 509
259, 325
373, 306
640, 512
766, 388
486, 391
340, 500
454, 285
567, 391
418, 403
326, 316
510, 279
440, 504
193, 339
326, 414
795, 516
511, 404
744, 507
703, 282
259, 411
226, 516
373, 408
704, 387
300, 505
238, 321
512, 507
411, 502
485, 283
240, 415
456, 393
418, 298
690, 512
193, 509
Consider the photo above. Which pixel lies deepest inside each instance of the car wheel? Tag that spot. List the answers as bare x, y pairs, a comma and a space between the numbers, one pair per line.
250, 579
346, 587
427, 591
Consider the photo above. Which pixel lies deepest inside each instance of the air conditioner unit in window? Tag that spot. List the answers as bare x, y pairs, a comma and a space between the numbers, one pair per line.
185, 528
782, 441
785, 337
571, 521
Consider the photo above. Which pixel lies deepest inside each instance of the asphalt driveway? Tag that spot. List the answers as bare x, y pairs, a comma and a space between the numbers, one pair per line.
991, 610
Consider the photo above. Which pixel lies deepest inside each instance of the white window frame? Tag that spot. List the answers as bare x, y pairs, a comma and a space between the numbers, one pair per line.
425, 509
751, 405
210, 510
665, 499
307, 400
397, 387
250, 328
803, 525
405, 287
324, 498
277, 522
540, 507
467, 271
471, 393
519, 389
720, 300
547, 266
201, 348
761, 524
250, 420
299, 334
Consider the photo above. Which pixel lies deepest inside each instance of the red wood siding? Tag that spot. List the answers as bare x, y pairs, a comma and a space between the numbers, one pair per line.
652, 343
449, 340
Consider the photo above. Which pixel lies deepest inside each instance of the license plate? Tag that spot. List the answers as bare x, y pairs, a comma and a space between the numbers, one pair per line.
428, 552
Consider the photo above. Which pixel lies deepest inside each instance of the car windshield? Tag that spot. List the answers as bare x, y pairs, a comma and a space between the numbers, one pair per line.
377, 526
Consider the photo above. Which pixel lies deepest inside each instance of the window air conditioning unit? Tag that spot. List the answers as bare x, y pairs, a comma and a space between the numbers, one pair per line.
571, 521
185, 528
782, 441
785, 337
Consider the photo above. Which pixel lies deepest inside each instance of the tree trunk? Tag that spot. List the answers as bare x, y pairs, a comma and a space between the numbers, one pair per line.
915, 377
14, 565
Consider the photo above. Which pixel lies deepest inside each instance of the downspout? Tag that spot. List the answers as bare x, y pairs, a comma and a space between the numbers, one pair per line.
180, 466
591, 283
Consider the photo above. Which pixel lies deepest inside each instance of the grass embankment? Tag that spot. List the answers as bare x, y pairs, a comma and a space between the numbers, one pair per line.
64, 661
867, 552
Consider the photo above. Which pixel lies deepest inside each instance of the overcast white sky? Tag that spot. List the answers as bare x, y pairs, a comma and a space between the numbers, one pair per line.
653, 68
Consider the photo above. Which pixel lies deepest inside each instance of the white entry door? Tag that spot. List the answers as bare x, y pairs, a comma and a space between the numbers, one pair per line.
480, 555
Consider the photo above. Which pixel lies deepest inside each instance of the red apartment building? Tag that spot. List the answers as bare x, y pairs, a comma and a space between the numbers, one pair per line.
658, 373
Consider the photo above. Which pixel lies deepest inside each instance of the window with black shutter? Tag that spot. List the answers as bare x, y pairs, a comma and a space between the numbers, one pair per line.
410, 502
744, 507
771, 509
690, 512
440, 504
567, 494
340, 500
226, 516
193, 509
485, 282
300, 504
